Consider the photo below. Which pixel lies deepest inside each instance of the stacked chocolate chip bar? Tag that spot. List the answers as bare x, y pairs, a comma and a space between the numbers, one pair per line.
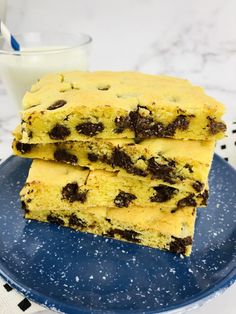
124, 155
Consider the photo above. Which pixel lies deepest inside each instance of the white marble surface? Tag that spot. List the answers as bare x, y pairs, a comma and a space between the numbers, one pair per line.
192, 39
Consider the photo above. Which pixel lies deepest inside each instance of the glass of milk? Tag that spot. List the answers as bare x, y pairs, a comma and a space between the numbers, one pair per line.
41, 53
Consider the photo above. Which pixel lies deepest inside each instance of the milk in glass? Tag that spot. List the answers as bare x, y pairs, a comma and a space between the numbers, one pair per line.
19, 71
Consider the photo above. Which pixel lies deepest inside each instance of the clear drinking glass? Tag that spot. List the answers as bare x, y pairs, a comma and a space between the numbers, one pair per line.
41, 53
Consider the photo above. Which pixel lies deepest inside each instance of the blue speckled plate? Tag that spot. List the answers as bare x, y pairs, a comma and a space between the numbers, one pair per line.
81, 273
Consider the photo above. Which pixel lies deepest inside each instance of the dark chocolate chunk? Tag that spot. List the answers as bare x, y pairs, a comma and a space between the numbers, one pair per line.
146, 127
204, 197
92, 226
23, 205
123, 199
75, 221
23, 147
121, 159
198, 186
163, 193
30, 134
141, 125
215, 127
181, 122
72, 193
121, 123
54, 219
178, 245
128, 235
189, 167
59, 132
92, 157
58, 104
66, 117
187, 201
89, 128
159, 171
65, 156
157, 130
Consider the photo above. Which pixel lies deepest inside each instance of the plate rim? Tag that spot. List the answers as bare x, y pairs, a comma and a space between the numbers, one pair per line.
218, 288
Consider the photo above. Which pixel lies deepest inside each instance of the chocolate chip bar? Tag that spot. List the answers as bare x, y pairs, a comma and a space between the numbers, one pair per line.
81, 105
153, 227
183, 164
64, 186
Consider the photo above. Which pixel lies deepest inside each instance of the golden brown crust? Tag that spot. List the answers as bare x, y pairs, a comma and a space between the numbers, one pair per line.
81, 105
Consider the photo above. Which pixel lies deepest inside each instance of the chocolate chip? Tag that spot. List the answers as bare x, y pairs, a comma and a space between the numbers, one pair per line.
146, 127
139, 124
23, 147
189, 167
178, 245
58, 104
123, 199
30, 134
92, 157
204, 197
75, 221
163, 193
215, 127
128, 235
23, 205
121, 159
89, 128
72, 193
54, 219
65, 156
187, 201
159, 171
59, 132
198, 186
181, 122
121, 123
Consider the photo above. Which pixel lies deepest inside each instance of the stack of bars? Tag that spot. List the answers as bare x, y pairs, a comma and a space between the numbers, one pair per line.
123, 155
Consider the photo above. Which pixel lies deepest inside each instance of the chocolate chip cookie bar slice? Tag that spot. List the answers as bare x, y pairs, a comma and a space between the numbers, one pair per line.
66, 186
153, 227
82, 105
162, 161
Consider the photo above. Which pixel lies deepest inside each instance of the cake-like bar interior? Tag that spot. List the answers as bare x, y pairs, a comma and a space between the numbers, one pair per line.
55, 184
162, 161
80, 105
154, 227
